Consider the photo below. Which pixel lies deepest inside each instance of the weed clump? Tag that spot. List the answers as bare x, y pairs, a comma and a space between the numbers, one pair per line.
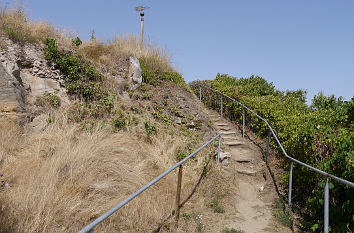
150, 128
283, 213
232, 230
119, 122
49, 99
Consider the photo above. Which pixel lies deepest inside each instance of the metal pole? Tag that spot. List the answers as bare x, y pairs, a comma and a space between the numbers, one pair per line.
290, 183
221, 105
243, 122
178, 194
200, 94
219, 150
268, 142
141, 29
326, 207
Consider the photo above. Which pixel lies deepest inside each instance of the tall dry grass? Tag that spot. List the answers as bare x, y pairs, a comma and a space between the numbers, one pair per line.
62, 177
110, 56
15, 25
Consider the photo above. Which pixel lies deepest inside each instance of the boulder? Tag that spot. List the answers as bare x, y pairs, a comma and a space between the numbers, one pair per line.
135, 73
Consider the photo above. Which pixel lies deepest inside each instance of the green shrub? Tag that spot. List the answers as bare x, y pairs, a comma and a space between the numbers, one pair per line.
320, 135
153, 73
81, 79
76, 42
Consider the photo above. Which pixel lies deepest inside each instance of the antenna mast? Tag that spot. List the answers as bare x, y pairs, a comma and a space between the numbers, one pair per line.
141, 10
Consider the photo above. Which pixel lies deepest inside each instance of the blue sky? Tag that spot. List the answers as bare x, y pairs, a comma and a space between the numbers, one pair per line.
306, 44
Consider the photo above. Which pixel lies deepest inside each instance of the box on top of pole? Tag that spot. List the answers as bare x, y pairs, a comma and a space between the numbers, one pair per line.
141, 10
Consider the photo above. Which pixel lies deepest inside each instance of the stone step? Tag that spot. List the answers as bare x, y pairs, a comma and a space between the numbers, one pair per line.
233, 143
246, 172
243, 160
230, 138
225, 128
228, 132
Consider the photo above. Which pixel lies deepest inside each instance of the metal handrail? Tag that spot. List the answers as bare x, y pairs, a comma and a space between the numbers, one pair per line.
89, 228
271, 131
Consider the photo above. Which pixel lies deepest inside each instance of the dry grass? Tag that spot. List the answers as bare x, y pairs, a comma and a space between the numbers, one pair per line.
15, 25
62, 177
111, 55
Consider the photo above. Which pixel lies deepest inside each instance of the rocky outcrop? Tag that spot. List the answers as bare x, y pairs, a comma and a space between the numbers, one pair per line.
135, 73
24, 76
11, 93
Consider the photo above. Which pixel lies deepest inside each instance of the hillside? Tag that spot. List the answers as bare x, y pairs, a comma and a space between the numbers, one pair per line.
84, 124
77, 138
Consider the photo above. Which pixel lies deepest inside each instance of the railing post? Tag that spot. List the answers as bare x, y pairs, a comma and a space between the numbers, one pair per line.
178, 194
290, 183
243, 122
268, 145
221, 106
200, 93
218, 159
326, 207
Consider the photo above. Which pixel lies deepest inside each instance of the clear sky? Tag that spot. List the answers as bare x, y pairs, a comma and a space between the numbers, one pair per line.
306, 44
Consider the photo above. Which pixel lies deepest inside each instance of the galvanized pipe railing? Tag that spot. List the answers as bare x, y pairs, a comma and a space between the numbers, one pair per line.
271, 132
90, 228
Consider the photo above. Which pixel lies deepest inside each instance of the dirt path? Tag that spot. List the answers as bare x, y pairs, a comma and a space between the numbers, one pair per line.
242, 185
254, 192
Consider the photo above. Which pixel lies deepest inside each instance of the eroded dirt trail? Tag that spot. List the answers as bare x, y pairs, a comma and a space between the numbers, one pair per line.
254, 192
238, 195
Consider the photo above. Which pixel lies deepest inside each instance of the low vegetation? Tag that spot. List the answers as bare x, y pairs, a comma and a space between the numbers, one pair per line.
320, 134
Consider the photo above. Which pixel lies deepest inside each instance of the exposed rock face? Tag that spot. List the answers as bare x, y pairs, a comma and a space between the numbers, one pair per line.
11, 93
135, 73
24, 76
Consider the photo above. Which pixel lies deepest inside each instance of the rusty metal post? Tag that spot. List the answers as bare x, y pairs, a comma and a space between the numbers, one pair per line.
178, 194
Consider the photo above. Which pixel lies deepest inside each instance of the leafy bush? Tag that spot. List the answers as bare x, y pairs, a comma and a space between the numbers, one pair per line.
320, 135
82, 80
153, 73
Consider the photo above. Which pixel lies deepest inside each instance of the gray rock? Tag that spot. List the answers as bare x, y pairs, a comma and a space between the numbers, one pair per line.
224, 155
134, 73
11, 93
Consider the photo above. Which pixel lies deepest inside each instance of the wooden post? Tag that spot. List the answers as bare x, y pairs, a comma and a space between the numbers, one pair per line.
142, 30
178, 194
